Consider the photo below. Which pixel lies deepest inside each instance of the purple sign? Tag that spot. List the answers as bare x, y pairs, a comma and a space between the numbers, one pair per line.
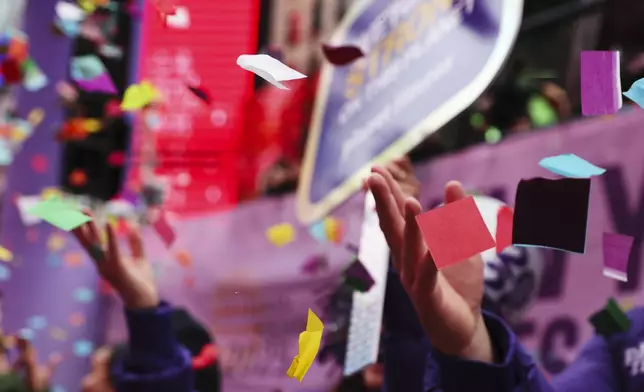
427, 60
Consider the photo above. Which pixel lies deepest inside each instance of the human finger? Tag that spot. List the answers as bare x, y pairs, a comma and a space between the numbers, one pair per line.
82, 235
415, 253
394, 186
135, 241
454, 191
391, 221
114, 255
405, 164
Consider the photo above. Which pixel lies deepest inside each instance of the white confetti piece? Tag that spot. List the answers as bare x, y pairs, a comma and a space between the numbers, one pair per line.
69, 12
269, 69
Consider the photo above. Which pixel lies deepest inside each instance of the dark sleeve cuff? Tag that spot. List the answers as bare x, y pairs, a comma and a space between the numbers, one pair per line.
515, 367
399, 316
151, 337
179, 377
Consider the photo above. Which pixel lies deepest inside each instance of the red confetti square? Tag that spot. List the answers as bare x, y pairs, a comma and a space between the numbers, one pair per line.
504, 219
455, 232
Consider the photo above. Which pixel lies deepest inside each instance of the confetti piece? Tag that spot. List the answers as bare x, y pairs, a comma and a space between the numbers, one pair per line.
88, 5
39, 163
318, 231
201, 93
33, 77
113, 108
37, 322
455, 232
100, 84
69, 11
268, 69
504, 219
636, 93
616, 251
83, 348
11, 72
164, 229
341, 55
36, 116
54, 260
552, 214
315, 264
24, 204
83, 295
58, 388
601, 90
116, 158
333, 230
27, 334
78, 178
73, 259
5, 273
50, 193
77, 319
60, 213
179, 20
86, 67
308, 347
280, 235
626, 304
571, 166
57, 333
358, 277
184, 259
136, 97
610, 320
5, 254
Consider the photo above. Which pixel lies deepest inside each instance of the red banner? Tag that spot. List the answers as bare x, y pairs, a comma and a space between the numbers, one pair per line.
196, 146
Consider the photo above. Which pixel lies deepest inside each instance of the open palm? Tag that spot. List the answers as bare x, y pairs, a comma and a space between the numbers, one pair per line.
448, 302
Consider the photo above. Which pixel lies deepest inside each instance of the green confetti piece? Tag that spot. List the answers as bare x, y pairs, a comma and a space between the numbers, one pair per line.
493, 135
59, 213
610, 320
541, 112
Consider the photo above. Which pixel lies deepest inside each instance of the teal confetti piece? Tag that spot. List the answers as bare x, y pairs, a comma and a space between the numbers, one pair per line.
83, 348
571, 166
58, 388
636, 93
318, 231
37, 322
84, 295
5, 273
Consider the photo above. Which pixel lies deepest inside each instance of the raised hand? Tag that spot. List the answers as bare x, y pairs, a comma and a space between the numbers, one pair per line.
37, 377
448, 302
131, 277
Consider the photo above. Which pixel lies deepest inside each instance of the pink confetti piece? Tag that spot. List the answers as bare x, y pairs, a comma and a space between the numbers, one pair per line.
617, 251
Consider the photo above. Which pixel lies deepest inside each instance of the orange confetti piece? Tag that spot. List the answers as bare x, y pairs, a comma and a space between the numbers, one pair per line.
189, 281
78, 178
55, 242
77, 319
73, 259
57, 333
184, 259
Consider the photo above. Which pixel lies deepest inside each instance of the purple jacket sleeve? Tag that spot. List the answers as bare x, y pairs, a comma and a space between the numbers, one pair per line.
155, 361
516, 371
593, 370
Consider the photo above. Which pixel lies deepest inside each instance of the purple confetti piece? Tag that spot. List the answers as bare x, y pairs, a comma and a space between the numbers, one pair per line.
601, 90
617, 251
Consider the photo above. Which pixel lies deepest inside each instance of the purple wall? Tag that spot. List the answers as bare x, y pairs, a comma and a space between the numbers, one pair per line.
50, 283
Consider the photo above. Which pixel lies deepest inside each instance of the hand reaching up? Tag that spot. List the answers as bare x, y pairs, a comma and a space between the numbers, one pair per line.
131, 277
448, 302
37, 377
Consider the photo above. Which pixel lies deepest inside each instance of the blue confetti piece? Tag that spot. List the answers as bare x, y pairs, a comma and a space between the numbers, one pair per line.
37, 322
572, 166
5, 273
83, 348
58, 388
54, 260
636, 93
318, 231
27, 334
84, 295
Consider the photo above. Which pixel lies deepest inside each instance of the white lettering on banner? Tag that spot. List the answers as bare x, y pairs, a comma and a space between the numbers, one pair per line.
171, 71
634, 359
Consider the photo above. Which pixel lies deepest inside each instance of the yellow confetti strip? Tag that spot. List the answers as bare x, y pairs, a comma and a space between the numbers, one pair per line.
280, 235
308, 347
626, 304
88, 5
92, 125
5, 254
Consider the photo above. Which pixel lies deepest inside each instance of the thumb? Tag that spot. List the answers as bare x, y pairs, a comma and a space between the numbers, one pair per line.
454, 192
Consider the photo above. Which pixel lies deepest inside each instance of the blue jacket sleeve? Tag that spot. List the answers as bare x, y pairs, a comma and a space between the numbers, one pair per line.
516, 371
592, 370
155, 361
